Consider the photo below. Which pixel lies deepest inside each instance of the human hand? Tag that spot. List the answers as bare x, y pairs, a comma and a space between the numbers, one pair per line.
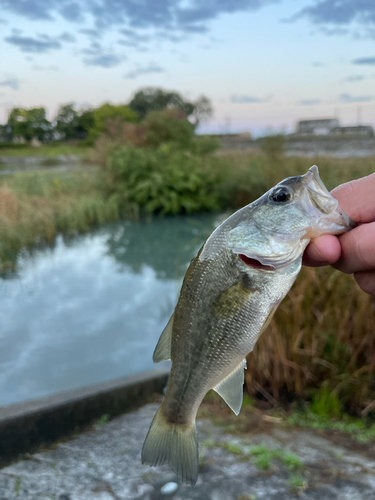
352, 252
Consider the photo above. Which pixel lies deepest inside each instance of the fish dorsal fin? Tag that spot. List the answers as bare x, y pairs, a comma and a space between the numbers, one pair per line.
163, 348
230, 388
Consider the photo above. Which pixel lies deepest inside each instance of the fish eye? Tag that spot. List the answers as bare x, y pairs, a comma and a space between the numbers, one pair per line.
281, 195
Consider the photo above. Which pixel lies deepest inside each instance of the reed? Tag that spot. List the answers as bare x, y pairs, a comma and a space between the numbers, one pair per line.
320, 342
35, 206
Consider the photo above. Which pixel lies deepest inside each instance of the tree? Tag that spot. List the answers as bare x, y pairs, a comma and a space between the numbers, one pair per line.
108, 112
29, 123
154, 99
72, 123
202, 110
168, 126
85, 122
67, 121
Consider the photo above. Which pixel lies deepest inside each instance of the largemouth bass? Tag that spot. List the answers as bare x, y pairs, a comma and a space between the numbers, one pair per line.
229, 294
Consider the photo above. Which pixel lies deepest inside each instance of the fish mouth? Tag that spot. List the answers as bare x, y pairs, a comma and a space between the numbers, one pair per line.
255, 264
323, 208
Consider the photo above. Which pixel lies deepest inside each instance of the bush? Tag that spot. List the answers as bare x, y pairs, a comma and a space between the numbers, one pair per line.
106, 113
166, 181
168, 126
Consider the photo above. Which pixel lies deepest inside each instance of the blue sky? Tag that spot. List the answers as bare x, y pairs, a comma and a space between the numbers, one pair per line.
263, 63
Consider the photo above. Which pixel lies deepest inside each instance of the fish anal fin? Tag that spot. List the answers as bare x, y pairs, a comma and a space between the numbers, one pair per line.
231, 388
163, 348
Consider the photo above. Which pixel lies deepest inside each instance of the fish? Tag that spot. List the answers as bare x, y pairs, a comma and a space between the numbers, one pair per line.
230, 292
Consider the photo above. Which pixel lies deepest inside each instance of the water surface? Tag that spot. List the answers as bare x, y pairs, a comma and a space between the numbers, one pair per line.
91, 308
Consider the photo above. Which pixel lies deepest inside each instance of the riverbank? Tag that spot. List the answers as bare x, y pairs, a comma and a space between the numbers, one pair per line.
270, 460
38, 204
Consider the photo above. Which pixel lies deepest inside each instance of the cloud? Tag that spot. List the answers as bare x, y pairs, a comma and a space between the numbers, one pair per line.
340, 13
90, 32
245, 99
31, 9
364, 60
67, 37
309, 102
72, 12
355, 78
10, 82
103, 60
168, 15
318, 64
151, 68
2, 21
96, 55
42, 44
44, 68
334, 31
347, 98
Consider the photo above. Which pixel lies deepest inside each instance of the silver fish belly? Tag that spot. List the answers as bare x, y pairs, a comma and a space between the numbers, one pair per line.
230, 292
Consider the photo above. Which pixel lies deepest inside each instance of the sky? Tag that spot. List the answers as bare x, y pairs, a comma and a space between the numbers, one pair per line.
264, 64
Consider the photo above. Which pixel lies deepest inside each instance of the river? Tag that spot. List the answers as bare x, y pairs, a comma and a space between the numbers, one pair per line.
91, 308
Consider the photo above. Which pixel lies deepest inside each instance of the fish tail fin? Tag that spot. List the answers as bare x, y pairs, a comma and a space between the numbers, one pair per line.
174, 444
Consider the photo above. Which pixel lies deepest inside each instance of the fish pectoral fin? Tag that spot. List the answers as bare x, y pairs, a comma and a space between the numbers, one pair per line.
230, 388
163, 347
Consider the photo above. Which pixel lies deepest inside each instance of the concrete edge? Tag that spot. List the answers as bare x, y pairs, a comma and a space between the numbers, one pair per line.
29, 425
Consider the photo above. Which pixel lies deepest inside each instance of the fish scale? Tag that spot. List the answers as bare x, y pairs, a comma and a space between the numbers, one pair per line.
229, 294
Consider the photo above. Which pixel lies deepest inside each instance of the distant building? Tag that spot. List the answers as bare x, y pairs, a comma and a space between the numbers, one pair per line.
317, 127
359, 130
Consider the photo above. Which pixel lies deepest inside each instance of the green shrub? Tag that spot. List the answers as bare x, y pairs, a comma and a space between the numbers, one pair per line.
164, 181
168, 126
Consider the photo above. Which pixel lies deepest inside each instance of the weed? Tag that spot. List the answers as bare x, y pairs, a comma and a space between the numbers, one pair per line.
17, 485
263, 462
247, 401
326, 404
102, 420
290, 460
232, 448
296, 482
360, 430
264, 456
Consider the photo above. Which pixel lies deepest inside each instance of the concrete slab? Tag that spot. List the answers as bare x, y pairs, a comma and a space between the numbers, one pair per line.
104, 464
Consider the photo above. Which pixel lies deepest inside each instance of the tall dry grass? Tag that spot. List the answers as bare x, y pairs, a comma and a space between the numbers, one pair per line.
322, 336
35, 206
242, 177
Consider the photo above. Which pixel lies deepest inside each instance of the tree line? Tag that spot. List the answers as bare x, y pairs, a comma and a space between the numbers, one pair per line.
74, 123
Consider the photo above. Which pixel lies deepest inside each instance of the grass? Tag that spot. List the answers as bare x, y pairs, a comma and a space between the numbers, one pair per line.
361, 430
50, 151
296, 482
102, 420
17, 485
36, 206
263, 457
319, 342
